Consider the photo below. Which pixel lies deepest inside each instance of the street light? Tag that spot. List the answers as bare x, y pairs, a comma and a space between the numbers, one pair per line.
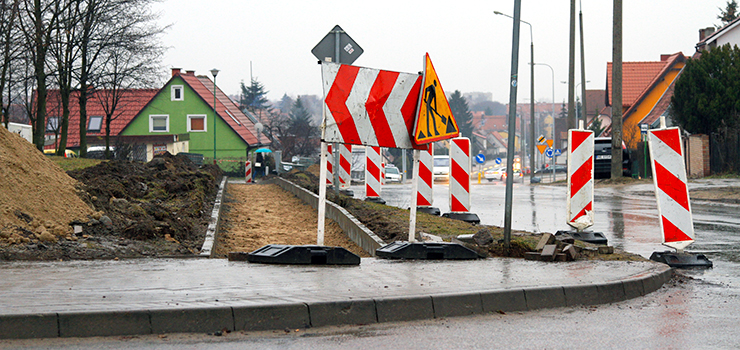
582, 97
214, 72
531, 92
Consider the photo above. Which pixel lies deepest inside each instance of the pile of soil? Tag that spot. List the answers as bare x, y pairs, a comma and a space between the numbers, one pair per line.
38, 200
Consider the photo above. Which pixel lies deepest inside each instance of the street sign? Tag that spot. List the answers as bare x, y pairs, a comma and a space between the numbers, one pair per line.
541, 148
434, 119
558, 152
337, 42
643, 128
549, 152
498, 161
480, 158
541, 139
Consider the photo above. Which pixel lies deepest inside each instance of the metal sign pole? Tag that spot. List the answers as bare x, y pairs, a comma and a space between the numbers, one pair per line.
414, 190
322, 196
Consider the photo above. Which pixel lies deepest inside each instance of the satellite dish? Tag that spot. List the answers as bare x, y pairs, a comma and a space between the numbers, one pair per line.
259, 127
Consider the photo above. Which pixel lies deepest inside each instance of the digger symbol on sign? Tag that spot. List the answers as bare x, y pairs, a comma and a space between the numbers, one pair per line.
430, 97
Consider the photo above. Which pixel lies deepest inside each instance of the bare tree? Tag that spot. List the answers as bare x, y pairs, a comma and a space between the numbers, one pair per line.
8, 16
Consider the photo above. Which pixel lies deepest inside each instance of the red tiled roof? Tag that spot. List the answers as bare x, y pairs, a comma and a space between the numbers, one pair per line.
225, 107
636, 77
132, 101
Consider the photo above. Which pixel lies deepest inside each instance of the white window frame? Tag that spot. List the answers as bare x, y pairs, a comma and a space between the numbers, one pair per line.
151, 122
205, 122
89, 121
182, 92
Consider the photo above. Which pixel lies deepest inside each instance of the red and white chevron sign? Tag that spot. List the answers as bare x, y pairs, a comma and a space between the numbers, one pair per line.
424, 194
671, 191
345, 156
372, 172
460, 175
580, 213
248, 171
370, 107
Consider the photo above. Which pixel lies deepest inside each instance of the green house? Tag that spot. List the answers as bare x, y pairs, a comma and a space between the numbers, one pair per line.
180, 118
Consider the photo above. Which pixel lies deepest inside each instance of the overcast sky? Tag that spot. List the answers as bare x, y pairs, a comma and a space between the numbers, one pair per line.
469, 45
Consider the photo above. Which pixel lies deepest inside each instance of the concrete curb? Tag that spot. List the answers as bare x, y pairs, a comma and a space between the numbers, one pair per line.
212, 229
356, 231
317, 314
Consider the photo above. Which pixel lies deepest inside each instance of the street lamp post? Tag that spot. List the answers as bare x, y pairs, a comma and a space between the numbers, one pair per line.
214, 72
583, 114
531, 92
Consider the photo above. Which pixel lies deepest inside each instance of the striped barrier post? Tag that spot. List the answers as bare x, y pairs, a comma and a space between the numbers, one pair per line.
580, 213
424, 192
345, 167
671, 191
248, 171
460, 181
329, 164
372, 174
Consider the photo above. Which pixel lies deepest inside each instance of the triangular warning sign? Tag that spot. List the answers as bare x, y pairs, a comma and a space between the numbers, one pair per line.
542, 148
434, 119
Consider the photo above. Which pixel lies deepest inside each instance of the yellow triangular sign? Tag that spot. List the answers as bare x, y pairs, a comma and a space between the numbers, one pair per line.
434, 119
542, 148
549, 142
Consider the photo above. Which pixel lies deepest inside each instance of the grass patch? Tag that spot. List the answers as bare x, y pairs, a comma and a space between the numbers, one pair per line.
68, 164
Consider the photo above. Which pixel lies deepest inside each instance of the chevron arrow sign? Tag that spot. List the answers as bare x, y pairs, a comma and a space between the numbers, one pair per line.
371, 107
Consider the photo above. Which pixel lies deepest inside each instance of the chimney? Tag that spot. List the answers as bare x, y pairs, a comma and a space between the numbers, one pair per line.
189, 72
664, 57
175, 71
706, 32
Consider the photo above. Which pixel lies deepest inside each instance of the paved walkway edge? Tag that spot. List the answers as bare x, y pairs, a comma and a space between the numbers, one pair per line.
212, 229
317, 314
357, 232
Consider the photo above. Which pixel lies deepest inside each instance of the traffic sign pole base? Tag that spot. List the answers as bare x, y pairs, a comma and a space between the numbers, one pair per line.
586, 236
467, 217
429, 250
681, 260
375, 200
429, 210
298, 255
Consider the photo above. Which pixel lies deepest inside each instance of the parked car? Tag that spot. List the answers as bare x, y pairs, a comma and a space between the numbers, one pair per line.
491, 174
603, 159
441, 168
68, 153
392, 174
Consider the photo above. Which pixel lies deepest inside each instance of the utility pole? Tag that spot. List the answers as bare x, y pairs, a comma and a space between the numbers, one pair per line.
617, 91
584, 109
572, 67
513, 82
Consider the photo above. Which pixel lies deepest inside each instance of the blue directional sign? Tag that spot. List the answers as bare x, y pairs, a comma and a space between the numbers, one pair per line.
480, 158
498, 160
558, 152
549, 152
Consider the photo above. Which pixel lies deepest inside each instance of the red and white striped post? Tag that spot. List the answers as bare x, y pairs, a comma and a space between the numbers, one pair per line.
345, 166
329, 164
425, 194
580, 213
248, 171
671, 191
372, 174
460, 181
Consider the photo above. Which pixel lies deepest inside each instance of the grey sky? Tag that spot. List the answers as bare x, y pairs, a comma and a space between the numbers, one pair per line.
469, 45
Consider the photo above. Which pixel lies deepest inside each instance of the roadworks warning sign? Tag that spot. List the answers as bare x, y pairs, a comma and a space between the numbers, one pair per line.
434, 119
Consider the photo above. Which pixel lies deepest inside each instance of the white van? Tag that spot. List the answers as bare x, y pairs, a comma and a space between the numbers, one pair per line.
441, 168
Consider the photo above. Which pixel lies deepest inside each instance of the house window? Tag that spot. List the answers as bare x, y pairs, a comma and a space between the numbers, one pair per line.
52, 124
177, 93
95, 123
197, 123
159, 123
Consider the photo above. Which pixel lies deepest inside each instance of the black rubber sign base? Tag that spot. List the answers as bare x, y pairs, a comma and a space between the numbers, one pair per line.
302, 255
435, 250
681, 260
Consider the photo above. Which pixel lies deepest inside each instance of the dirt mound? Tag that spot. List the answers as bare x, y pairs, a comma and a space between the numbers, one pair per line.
167, 197
38, 200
